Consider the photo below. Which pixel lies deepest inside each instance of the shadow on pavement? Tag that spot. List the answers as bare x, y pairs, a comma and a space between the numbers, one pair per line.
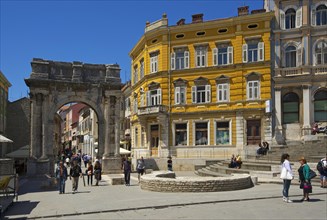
30, 185
21, 208
311, 200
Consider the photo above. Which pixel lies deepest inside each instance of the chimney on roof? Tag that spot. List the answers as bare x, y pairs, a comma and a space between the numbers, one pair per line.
181, 22
258, 11
197, 18
243, 10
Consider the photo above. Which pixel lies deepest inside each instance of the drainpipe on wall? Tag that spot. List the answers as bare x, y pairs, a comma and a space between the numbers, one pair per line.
169, 91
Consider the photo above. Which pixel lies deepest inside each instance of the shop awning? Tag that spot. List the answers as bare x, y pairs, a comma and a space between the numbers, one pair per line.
3, 139
23, 152
124, 151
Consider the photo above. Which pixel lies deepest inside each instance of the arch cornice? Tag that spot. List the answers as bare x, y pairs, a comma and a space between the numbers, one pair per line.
54, 107
315, 6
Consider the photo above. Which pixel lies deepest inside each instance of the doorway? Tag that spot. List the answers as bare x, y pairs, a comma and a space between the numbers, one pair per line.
253, 132
154, 135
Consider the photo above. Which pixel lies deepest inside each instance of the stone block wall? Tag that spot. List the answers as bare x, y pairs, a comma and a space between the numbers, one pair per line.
19, 123
195, 184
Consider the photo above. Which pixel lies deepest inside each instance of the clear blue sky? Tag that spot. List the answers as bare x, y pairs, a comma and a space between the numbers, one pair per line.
98, 32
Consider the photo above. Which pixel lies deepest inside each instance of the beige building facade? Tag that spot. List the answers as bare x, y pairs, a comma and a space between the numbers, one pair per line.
299, 68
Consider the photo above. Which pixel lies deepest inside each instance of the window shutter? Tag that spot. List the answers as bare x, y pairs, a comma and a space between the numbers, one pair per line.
193, 94
217, 92
249, 88
230, 55
208, 93
172, 61
177, 95
261, 50
215, 56
313, 17
282, 19
148, 100
245, 53
299, 56
206, 57
159, 96
227, 87
187, 59
299, 17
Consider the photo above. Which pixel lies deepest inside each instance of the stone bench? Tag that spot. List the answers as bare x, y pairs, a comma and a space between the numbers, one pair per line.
158, 181
114, 179
223, 170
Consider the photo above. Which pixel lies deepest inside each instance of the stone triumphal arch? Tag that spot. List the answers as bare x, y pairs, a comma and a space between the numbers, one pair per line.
53, 84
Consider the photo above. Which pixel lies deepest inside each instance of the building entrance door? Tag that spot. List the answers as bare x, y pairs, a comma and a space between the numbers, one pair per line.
154, 140
253, 132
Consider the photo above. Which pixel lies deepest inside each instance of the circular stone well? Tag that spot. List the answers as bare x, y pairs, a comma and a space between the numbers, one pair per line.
168, 182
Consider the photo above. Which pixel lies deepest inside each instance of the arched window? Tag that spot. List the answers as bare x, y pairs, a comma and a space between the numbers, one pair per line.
321, 53
320, 105
290, 108
321, 15
290, 56
290, 16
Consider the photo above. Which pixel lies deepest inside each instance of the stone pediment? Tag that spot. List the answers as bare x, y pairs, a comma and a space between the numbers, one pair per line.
253, 76
180, 82
154, 85
222, 79
201, 81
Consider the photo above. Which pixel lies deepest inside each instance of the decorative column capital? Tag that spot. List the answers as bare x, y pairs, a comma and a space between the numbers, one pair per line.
306, 86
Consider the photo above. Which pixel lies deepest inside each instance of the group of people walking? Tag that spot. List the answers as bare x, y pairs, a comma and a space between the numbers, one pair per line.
305, 176
75, 172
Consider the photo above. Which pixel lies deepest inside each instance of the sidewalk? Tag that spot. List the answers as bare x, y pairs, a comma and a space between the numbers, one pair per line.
35, 203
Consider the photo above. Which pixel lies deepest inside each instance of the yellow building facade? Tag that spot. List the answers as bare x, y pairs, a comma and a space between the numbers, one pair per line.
203, 89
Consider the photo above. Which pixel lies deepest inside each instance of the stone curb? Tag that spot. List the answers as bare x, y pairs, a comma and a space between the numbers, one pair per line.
162, 206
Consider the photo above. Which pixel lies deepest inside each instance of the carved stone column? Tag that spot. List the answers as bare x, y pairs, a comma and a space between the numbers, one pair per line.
307, 106
45, 129
106, 127
117, 127
36, 126
279, 138
111, 163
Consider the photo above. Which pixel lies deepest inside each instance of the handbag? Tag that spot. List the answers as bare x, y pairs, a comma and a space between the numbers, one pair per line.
285, 175
312, 174
307, 186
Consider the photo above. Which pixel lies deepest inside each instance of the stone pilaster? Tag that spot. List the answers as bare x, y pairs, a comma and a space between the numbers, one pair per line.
239, 129
111, 163
77, 72
163, 148
278, 133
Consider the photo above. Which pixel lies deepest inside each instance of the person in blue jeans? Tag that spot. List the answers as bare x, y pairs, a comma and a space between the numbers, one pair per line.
286, 182
61, 175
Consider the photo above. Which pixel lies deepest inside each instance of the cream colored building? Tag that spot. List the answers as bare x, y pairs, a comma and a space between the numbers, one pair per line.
300, 68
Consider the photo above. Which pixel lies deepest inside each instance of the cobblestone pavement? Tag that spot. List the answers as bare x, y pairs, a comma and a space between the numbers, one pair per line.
130, 202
